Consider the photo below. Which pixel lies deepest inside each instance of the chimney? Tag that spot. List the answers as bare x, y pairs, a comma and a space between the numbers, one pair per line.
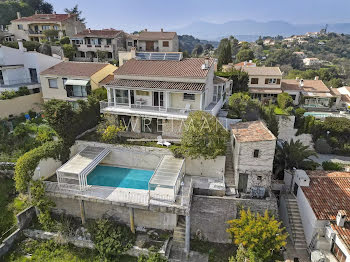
20, 45
341, 218
89, 29
54, 12
301, 83
245, 63
161, 30
145, 30
206, 63
317, 77
36, 12
297, 78
133, 52
75, 30
250, 61
19, 15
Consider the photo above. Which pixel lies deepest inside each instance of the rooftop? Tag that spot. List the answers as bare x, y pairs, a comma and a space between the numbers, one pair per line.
106, 33
262, 70
343, 233
253, 131
82, 69
186, 86
44, 18
328, 193
220, 80
147, 35
187, 68
309, 85
262, 90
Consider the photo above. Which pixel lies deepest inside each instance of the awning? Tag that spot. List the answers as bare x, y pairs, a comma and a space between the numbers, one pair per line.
74, 82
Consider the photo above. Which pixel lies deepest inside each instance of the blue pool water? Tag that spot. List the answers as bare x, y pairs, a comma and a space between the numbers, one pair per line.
119, 177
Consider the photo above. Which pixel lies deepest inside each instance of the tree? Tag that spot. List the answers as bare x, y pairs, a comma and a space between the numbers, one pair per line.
284, 100
291, 155
245, 55
261, 236
75, 10
335, 83
102, 55
268, 114
69, 51
203, 136
208, 47
153, 257
225, 52
239, 79
51, 34
9, 9
234, 45
197, 50
40, 6
64, 40
243, 106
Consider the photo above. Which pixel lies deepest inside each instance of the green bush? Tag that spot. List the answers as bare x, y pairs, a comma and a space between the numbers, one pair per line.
64, 40
322, 146
153, 257
284, 100
22, 91
328, 165
100, 93
111, 239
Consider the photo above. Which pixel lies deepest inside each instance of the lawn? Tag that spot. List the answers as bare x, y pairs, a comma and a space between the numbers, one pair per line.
217, 252
280, 111
42, 251
7, 194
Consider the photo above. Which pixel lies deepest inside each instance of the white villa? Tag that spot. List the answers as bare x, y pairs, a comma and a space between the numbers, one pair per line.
156, 91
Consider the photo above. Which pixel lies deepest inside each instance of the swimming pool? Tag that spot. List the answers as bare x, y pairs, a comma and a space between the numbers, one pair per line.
318, 114
119, 177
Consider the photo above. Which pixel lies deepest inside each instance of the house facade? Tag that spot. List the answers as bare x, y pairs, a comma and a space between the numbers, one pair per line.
72, 81
323, 202
311, 61
21, 68
90, 43
153, 41
156, 96
345, 97
253, 147
32, 28
264, 82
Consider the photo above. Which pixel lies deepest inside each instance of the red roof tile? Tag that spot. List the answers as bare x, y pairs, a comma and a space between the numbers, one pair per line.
185, 68
328, 193
44, 18
148, 35
111, 33
309, 85
82, 69
253, 131
343, 233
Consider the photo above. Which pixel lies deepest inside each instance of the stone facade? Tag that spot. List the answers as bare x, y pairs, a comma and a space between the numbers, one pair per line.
172, 128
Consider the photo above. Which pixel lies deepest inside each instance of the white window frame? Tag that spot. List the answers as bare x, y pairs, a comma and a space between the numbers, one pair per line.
53, 79
190, 97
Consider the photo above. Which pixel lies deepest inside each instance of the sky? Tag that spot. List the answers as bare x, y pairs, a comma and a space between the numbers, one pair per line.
132, 15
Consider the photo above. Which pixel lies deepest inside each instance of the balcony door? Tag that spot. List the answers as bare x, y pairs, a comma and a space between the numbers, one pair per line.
158, 99
33, 75
149, 46
1, 78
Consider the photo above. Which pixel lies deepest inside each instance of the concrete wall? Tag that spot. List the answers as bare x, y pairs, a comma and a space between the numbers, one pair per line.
210, 214
206, 167
47, 167
21, 104
96, 210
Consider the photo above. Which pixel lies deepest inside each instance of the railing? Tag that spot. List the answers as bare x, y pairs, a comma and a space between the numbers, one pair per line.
140, 107
17, 82
35, 32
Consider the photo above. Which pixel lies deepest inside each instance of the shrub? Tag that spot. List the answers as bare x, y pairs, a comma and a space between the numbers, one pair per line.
8, 95
31, 45
153, 257
69, 51
322, 146
111, 240
110, 134
328, 165
100, 93
23, 91
284, 100
64, 40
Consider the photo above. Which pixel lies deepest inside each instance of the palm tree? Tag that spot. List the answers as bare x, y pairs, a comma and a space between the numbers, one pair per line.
293, 155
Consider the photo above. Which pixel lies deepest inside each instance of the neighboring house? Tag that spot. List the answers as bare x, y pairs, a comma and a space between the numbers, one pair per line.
153, 41
313, 34
269, 42
5, 35
71, 81
300, 54
21, 68
156, 96
230, 66
345, 97
32, 28
311, 61
310, 93
88, 42
253, 147
323, 199
264, 82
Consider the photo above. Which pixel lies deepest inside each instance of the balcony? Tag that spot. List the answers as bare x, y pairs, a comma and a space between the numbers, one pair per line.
144, 110
91, 47
35, 32
13, 85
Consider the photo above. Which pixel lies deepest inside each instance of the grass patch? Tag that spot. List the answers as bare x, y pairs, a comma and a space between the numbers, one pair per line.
7, 194
34, 250
280, 111
217, 252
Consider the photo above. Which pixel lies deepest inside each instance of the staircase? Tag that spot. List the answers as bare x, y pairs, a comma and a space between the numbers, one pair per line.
229, 172
297, 229
179, 233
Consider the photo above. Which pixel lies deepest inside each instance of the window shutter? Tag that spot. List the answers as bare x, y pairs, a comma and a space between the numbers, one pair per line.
266, 81
278, 81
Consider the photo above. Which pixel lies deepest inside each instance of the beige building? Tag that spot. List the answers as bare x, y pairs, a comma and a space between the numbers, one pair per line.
72, 81
153, 41
32, 28
264, 82
89, 42
253, 147
156, 96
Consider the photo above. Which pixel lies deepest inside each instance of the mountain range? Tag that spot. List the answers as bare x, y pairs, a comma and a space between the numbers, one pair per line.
250, 30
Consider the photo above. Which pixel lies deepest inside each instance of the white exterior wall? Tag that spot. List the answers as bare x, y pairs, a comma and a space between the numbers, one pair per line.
261, 82
46, 168
206, 167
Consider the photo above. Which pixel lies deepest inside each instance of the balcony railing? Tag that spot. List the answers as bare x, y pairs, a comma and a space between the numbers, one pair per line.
35, 32
17, 82
144, 108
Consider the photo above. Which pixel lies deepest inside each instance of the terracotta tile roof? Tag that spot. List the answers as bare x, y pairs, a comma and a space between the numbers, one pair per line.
345, 98
262, 90
82, 69
244, 64
343, 233
335, 91
262, 71
328, 193
107, 33
44, 18
186, 86
154, 35
107, 79
309, 85
186, 68
253, 131
220, 80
